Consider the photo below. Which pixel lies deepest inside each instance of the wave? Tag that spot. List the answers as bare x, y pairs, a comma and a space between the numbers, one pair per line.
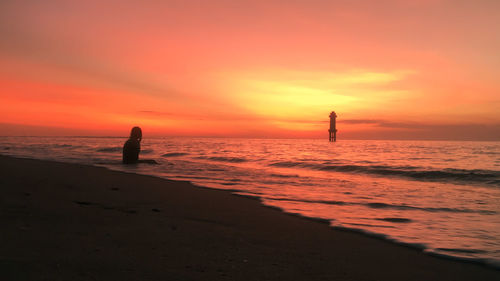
284, 176
174, 154
417, 173
146, 151
225, 159
379, 205
63, 145
113, 149
110, 149
467, 251
397, 220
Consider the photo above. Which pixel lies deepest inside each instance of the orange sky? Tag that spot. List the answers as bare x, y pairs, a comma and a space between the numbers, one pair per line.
422, 69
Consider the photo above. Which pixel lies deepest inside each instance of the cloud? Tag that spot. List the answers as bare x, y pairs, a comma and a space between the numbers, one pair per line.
155, 113
359, 121
383, 123
415, 130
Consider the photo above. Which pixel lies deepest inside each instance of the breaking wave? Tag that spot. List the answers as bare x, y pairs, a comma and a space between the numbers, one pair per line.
225, 159
174, 154
417, 173
379, 205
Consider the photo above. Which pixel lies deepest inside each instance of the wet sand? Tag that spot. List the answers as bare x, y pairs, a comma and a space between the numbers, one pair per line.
75, 222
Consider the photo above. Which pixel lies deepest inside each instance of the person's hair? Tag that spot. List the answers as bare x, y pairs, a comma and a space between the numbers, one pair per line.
136, 133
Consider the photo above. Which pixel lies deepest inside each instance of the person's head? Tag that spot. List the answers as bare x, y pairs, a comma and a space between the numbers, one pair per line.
136, 133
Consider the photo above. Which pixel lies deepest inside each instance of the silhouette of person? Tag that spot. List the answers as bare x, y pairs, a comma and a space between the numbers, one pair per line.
132, 146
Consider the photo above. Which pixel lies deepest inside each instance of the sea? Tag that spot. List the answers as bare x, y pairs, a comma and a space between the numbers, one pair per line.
442, 197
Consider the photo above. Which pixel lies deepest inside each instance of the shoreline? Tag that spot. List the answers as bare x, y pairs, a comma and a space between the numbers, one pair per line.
49, 207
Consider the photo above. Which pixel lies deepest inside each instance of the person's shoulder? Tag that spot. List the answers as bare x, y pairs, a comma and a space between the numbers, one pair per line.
132, 142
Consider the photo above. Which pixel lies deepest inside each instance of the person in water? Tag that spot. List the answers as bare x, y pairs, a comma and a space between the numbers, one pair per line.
132, 146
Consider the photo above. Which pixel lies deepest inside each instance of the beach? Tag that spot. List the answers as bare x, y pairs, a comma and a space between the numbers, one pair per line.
75, 222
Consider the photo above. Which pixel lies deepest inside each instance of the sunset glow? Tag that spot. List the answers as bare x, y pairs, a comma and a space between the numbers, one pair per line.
390, 69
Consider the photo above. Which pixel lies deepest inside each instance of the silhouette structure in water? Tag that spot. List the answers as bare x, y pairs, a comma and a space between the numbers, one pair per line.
132, 146
332, 132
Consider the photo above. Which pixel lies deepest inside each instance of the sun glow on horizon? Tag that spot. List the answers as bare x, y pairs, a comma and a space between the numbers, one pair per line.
299, 100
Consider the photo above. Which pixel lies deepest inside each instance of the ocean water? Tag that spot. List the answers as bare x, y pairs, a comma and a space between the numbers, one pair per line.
442, 197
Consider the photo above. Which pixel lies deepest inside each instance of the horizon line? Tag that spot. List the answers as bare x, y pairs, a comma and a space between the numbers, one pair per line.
257, 138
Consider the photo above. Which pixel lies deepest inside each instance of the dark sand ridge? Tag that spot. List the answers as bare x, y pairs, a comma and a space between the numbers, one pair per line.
74, 222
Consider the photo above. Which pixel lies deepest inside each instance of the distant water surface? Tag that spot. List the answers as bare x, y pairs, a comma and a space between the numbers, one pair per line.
441, 196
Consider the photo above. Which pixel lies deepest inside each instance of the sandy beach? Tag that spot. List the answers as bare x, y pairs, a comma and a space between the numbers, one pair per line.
75, 222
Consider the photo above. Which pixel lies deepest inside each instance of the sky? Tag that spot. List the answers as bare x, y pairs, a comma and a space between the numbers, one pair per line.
395, 69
